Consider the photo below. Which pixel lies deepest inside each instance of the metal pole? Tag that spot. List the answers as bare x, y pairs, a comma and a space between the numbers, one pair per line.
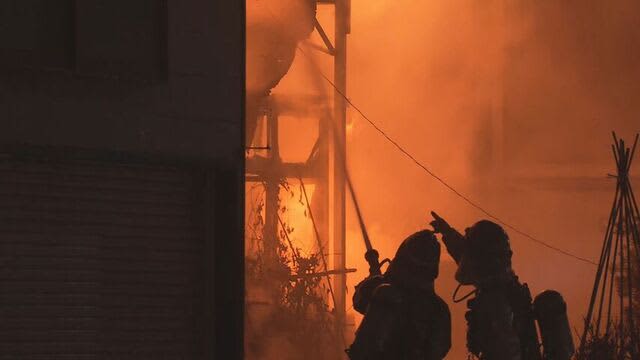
340, 80
272, 188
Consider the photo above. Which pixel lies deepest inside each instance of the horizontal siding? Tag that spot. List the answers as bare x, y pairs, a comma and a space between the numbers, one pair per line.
100, 261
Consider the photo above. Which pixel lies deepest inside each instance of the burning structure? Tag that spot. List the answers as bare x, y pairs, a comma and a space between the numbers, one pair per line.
290, 290
500, 99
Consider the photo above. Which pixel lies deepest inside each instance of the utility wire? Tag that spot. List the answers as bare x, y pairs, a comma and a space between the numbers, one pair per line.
426, 169
438, 178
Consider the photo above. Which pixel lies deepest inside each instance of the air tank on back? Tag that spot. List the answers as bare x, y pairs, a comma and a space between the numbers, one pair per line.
551, 312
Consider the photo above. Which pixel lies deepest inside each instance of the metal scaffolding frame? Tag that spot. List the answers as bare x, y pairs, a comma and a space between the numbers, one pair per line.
324, 167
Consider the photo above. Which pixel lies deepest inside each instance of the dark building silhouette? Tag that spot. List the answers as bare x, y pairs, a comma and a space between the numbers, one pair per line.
121, 179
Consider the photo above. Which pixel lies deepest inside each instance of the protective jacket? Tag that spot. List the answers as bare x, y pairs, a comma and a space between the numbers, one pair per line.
500, 318
501, 322
399, 323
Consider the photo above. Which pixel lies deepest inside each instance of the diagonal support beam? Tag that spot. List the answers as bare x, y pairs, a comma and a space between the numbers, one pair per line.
330, 48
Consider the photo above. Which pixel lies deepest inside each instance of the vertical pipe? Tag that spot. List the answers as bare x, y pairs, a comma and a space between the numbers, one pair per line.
340, 80
320, 201
272, 188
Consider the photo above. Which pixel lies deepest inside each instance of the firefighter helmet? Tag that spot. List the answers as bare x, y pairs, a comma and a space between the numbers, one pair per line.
417, 259
488, 248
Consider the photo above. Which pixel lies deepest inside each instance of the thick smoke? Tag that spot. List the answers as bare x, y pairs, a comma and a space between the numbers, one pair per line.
512, 102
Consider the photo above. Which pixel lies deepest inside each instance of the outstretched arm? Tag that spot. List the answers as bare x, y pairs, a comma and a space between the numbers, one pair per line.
453, 240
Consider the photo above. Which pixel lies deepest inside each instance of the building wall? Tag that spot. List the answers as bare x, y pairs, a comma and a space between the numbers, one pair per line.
192, 112
155, 79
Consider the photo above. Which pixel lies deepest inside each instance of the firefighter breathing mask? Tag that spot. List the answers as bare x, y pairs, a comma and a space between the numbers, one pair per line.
487, 253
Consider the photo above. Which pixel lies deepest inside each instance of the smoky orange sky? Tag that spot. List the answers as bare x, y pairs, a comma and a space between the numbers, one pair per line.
511, 102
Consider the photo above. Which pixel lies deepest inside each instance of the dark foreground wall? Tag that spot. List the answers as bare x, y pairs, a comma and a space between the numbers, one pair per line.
121, 172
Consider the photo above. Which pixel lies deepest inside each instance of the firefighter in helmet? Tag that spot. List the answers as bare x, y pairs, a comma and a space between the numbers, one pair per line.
403, 316
500, 319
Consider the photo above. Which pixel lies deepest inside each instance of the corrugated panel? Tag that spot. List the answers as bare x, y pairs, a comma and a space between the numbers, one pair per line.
100, 261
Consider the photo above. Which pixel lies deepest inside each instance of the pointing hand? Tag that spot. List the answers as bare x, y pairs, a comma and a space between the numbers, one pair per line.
439, 224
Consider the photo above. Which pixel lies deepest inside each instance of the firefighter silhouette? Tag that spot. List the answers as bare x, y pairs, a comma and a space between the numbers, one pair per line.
501, 317
403, 316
